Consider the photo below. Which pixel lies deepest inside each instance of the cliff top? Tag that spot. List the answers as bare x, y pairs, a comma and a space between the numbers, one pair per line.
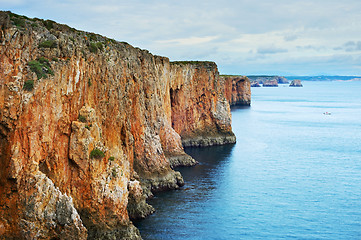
226, 75
26, 23
210, 66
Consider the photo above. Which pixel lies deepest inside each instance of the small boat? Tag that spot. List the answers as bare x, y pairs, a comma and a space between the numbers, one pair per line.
326, 113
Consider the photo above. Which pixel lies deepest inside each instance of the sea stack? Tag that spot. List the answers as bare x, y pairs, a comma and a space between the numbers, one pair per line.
255, 84
270, 83
296, 83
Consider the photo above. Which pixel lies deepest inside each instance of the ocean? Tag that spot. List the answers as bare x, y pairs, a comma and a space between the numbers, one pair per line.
294, 173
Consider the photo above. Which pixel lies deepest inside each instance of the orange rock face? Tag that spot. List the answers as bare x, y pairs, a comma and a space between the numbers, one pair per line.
90, 127
237, 90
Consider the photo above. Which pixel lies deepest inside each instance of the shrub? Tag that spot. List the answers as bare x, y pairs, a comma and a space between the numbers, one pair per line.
41, 67
95, 46
19, 22
48, 44
97, 154
89, 82
49, 24
92, 36
111, 159
28, 85
114, 172
82, 118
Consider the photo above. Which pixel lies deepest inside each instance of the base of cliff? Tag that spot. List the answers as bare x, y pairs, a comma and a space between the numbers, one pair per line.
170, 181
205, 141
137, 206
180, 160
241, 103
129, 232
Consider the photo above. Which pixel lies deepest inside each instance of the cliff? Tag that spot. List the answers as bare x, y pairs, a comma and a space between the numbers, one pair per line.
237, 90
90, 127
200, 111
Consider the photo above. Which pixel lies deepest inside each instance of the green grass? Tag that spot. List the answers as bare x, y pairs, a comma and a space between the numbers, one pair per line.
97, 154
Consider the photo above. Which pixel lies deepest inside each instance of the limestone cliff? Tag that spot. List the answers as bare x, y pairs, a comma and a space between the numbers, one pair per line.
200, 111
237, 90
90, 127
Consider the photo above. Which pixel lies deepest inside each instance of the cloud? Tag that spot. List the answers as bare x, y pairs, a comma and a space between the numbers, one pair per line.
352, 46
240, 35
289, 38
349, 46
271, 50
188, 41
6, 3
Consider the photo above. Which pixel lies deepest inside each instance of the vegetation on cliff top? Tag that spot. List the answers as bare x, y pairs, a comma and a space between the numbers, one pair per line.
95, 46
192, 62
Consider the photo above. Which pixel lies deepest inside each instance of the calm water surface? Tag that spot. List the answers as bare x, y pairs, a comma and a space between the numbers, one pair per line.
294, 173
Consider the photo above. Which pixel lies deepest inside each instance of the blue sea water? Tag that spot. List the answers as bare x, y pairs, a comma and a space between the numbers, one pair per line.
294, 172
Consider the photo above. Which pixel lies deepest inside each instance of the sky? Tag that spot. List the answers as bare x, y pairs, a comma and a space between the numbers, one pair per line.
246, 37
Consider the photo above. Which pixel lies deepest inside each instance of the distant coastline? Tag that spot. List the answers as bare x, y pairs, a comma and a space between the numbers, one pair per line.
310, 78
324, 78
